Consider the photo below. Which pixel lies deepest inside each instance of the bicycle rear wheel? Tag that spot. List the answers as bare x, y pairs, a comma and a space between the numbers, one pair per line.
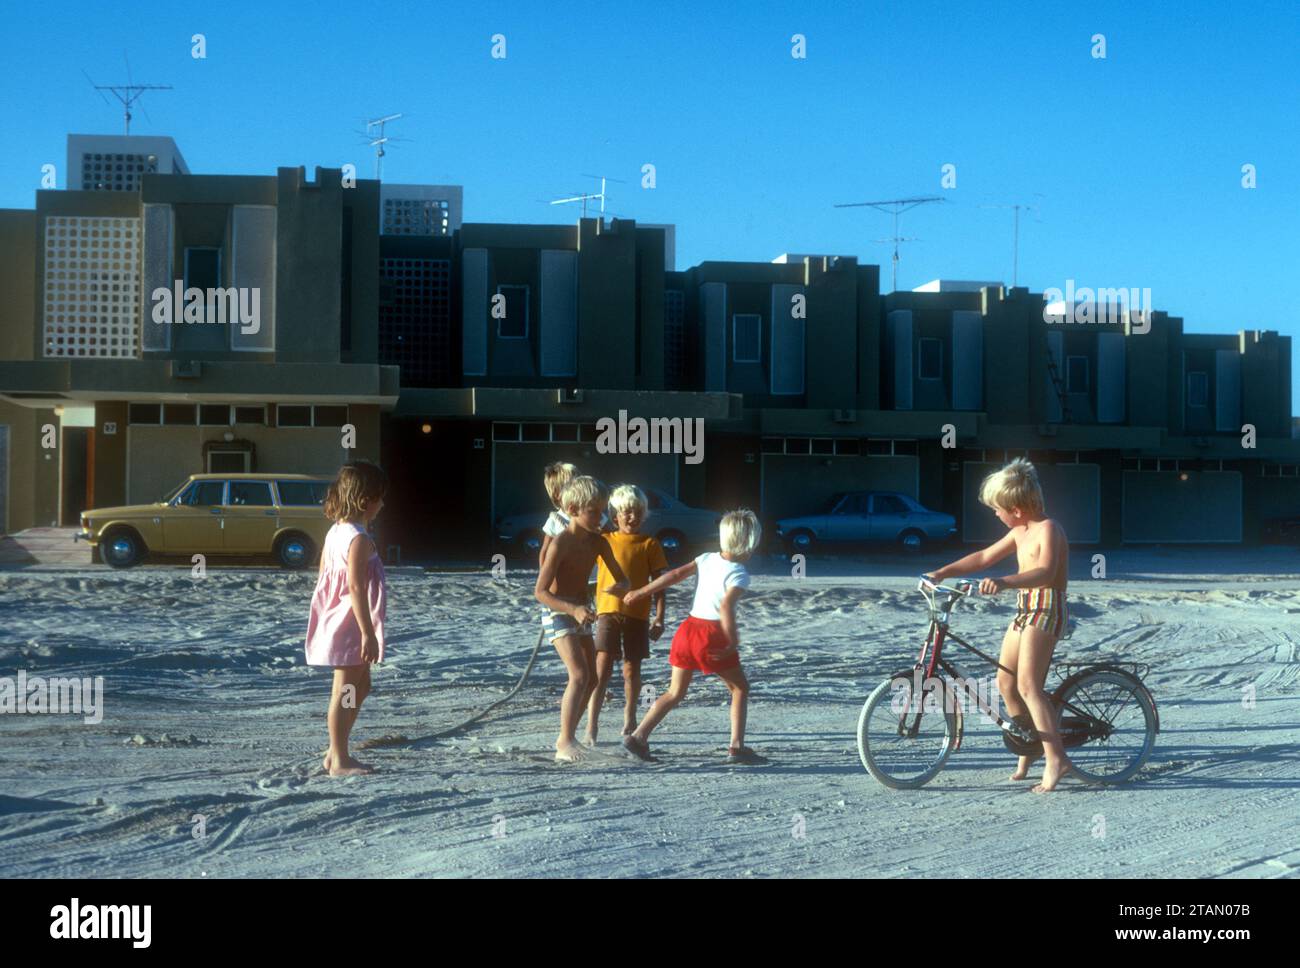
1121, 702
906, 762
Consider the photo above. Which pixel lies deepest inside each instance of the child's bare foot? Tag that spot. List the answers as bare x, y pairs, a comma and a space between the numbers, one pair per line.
589, 740
1052, 775
1022, 768
350, 766
567, 752
629, 728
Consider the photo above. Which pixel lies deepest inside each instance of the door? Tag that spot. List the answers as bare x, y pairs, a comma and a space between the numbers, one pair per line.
76, 474
4, 478
848, 522
193, 524
228, 462
889, 516
250, 518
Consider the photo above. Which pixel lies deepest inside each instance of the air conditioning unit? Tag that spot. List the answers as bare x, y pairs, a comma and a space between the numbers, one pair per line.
186, 369
845, 416
569, 395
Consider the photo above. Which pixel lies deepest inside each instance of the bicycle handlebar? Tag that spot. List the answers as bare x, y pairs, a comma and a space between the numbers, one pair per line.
971, 586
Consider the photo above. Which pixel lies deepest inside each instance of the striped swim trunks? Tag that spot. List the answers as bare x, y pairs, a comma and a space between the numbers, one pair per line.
1043, 608
557, 625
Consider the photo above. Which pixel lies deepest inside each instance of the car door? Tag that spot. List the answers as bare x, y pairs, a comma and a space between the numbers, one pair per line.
889, 516
848, 521
300, 507
250, 517
192, 524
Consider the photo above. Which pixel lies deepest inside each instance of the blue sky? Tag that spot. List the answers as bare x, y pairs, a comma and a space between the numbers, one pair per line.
1135, 160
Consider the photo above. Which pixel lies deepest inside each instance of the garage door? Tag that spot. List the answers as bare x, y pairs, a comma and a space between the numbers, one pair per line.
4, 478
517, 472
1160, 506
1071, 493
798, 484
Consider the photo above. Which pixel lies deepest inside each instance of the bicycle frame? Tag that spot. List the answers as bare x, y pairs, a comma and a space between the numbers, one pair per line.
931, 659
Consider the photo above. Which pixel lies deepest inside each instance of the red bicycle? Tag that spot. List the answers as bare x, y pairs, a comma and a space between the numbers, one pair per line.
913, 721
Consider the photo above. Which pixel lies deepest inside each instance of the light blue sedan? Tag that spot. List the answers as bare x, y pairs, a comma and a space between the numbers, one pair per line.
876, 517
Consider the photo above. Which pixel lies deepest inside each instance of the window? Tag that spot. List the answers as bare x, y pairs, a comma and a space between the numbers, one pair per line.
1198, 389
202, 494
251, 415
1076, 374
853, 504
202, 270
514, 324
930, 359
330, 416
537, 433
250, 494
302, 493
214, 415
179, 414
888, 504
746, 334
144, 413
291, 416
228, 461
823, 445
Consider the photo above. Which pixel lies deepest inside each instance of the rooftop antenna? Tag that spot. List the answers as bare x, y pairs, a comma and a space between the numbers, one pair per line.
378, 142
896, 207
1015, 234
590, 196
127, 93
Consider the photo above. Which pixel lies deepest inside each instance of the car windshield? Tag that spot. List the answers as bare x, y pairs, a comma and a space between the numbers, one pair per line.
835, 499
171, 495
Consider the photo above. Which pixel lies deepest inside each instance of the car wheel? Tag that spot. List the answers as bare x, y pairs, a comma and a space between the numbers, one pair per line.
673, 542
800, 542
295, 550
122, 548
911, 540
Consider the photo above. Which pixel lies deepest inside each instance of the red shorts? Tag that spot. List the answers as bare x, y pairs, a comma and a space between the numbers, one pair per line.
695, 639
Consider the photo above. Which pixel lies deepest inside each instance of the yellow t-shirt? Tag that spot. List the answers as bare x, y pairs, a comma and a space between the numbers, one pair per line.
639, 555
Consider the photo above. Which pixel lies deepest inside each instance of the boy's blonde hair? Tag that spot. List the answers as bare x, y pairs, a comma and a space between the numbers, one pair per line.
627, 496
1014, 486
582, 492
557, 476
740, 533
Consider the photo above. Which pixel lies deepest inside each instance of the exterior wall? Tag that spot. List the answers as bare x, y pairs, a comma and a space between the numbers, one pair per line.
1071, 493
1159, 507
518, 467
18, 231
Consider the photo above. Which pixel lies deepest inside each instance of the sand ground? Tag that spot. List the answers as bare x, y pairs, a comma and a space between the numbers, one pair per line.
215, 664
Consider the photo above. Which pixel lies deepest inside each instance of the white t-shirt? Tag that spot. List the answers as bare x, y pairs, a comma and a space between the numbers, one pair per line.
716, 575
557, 522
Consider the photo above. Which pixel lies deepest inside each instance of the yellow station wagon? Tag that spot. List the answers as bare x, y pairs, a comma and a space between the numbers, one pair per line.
217, 514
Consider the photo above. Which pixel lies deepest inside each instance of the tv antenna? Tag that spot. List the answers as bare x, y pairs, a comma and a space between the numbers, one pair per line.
1015, 234
127, 93
896, 207
590, 196
378, 142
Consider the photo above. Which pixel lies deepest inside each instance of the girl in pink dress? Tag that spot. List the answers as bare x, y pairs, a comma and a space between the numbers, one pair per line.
346, 627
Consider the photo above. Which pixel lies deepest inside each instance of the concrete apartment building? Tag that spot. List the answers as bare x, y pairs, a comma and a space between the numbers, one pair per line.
467, 356
100, 404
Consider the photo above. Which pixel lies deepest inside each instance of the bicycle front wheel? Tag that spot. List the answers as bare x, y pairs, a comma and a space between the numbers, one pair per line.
1119, 701
907, 761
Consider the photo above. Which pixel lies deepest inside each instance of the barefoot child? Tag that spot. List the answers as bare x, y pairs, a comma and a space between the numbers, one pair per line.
346, 627
1043, 556
708, 641
625, 631
562, 588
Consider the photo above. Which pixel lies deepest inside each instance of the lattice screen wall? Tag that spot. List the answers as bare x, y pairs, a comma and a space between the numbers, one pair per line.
92, 287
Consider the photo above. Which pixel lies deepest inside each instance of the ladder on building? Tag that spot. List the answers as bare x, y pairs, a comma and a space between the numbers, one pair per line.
1059, 384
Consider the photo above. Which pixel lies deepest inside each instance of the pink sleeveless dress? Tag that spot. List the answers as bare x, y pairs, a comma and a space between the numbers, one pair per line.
333, 635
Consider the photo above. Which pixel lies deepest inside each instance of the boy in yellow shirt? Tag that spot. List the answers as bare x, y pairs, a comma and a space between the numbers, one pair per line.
625, 631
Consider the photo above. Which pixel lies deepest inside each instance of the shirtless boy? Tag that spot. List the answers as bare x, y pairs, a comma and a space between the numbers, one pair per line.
1042, 554
562, 588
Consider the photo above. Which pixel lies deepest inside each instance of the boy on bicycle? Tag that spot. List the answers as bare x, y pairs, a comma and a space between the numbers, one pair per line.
1043, 555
